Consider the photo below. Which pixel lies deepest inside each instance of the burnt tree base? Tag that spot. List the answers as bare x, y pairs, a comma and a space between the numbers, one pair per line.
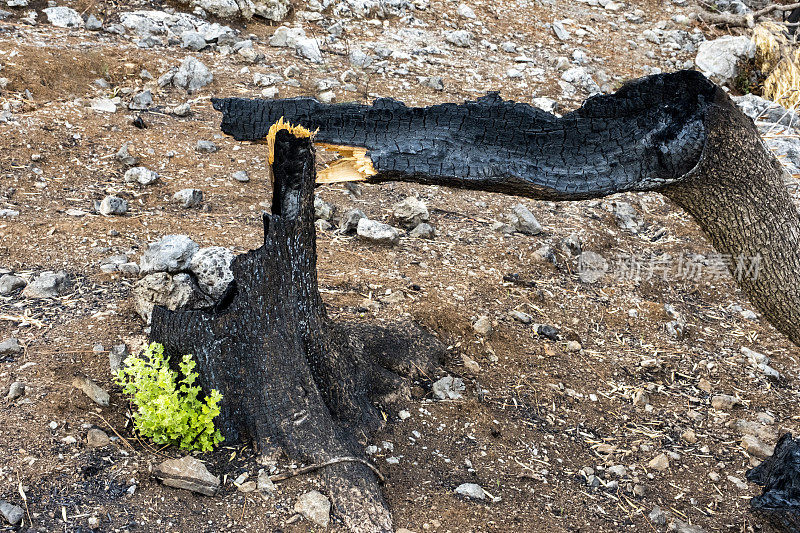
291, 379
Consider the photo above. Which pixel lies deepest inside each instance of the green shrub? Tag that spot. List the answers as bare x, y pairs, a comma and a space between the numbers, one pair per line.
167, 409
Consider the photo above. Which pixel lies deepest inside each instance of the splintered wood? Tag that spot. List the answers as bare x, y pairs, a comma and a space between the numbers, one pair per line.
353, 164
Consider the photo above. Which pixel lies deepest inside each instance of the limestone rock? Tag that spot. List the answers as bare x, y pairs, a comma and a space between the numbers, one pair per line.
187, 473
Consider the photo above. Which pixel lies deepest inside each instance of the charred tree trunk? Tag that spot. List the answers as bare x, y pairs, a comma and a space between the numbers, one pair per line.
677, 134
291, 379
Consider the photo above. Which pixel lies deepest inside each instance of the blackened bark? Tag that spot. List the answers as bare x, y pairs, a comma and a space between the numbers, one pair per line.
678, 134
779, 475
290, 378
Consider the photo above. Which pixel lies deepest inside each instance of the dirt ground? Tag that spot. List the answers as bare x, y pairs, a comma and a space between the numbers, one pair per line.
538, 418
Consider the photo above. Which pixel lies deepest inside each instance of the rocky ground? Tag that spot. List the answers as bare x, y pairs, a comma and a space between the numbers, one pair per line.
605, 373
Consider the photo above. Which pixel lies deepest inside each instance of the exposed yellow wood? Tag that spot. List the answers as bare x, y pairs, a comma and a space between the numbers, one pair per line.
353, 164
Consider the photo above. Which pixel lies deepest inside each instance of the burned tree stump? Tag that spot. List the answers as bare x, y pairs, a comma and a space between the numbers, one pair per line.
291, 379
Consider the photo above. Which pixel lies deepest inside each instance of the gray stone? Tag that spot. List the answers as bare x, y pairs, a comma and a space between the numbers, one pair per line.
308, 48
97, 438
141, 101
410, 212
212, 267
182, 110
193, 40
10, 348
63, 17
546, 104
91, 389
103, 105
525, 221
719, 59
326, 97
679, 526
627, 217
434, 82
465, 11
448, 388
141, 175
206, 147
117, 356
763, 110
560, 31
192, 75
241, 175
187, 198
659, 463
16, 390
657, 516
322, 225
48, 284
113, 205
10, 283
359, 59
12, 513
265, 485
322, 209
471, 490
461, 38
377, 232
172, 253
265, 80
723, 402
348, 224
187, 473
93, 23
315, 507
176, 292
520, 316
285, 37
5, 14
423, 231
9, 213
756, 447
124, 156
483, 325
274, 10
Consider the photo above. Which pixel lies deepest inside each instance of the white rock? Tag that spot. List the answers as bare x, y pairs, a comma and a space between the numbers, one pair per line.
378, 232
104, 105
212, 267
471, 490
63, 17
172, 253
315, 508
461, 38
718, 59
141, 175
192, 75
448, 388
187, 198
465, 11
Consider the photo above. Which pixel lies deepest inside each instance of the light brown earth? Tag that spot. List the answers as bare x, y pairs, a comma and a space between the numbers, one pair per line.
534, 414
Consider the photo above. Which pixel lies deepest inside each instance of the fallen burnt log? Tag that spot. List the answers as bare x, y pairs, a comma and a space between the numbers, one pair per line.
678, 134
779, 475
292, 380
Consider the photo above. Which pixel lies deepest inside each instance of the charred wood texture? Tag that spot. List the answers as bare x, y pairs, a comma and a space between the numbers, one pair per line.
291, 379
678, 134
779, 476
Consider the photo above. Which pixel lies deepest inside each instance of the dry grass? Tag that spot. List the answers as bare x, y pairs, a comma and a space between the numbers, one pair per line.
777, 58
53, 74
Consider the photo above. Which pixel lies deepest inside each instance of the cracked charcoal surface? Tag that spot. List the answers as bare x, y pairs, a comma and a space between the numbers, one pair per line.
647, 134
